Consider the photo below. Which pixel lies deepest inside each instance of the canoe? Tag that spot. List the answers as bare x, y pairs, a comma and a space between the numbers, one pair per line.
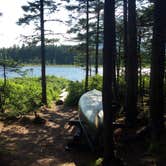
91, 112
91, 118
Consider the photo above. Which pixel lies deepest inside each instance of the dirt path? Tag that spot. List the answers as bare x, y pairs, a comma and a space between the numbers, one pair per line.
24, 143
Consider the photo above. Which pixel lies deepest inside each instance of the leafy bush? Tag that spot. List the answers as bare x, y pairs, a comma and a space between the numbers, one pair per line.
95, 82
76, 89
54, 87
23, 95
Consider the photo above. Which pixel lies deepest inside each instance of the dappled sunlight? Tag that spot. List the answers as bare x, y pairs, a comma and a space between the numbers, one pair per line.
33, 144
16, 129
67, 164
51, 161
68, 128
1, 126
53, 125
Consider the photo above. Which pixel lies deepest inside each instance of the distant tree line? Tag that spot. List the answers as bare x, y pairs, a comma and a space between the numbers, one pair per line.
31, 55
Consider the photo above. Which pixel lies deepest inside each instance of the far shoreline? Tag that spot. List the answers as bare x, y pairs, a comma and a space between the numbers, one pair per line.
58, 65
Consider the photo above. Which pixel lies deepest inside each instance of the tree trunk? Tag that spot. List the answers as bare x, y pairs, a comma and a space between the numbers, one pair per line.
43, 68
118, 66
97, 37
125, 14
157, 70
132, 67
4, 70
3, 88
125, 21
141, 90
4, 75
109, 52
90, 65
87, 45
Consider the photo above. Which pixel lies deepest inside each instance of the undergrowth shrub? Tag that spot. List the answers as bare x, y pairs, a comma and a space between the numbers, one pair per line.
95, 82
23, 95
76, 89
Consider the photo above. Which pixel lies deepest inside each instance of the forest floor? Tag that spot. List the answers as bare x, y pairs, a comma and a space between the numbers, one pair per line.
24, 143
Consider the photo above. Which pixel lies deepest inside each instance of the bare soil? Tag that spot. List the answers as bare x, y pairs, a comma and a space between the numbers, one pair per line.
24, 143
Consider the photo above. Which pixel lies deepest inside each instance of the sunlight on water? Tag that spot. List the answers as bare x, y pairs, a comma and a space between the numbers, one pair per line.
73, 73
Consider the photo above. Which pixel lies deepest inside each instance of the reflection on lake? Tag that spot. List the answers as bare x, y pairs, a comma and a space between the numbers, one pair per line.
69, 72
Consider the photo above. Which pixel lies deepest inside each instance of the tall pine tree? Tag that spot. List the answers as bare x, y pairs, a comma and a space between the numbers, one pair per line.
131, 66
109, 53
157, 69
34, 12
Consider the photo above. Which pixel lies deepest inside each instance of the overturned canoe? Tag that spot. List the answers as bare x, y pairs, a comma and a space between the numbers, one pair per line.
91, 118
91, 111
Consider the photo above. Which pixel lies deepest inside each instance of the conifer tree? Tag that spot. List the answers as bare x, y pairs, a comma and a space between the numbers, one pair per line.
34, 13
157, 69
109, 53
131, 66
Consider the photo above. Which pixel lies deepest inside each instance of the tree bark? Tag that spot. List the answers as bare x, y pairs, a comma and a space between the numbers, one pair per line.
118, 67
109, 52
97, 37
4, 75
132, 67
43, 68
141, 90
157, 69
87, 46
125, 14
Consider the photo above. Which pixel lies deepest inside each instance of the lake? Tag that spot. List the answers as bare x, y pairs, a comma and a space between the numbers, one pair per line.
73, 73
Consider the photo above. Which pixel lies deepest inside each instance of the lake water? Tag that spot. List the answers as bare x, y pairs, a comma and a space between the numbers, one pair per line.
73, 73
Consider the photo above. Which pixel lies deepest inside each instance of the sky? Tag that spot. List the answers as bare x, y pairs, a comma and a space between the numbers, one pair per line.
10, 32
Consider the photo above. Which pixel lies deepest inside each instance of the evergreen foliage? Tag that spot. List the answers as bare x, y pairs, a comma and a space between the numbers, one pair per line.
30, 55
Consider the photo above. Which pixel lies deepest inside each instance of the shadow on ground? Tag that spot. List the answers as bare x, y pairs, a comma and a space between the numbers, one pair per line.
24, 143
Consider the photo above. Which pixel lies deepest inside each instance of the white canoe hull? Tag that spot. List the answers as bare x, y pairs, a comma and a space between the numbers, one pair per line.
91, 110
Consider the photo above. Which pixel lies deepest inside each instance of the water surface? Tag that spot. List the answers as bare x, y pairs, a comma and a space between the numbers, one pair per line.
69, 72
